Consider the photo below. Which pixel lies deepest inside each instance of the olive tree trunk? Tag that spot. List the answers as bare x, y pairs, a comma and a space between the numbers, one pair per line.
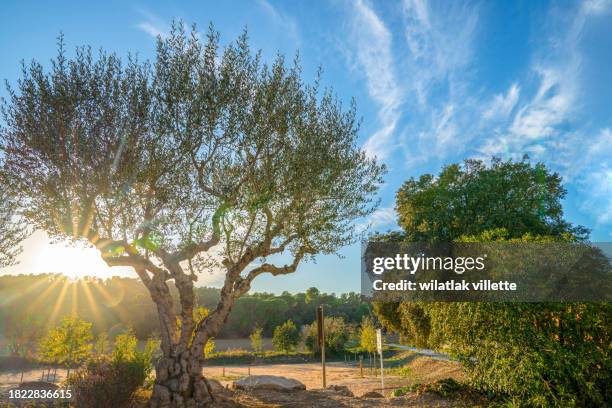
179, 383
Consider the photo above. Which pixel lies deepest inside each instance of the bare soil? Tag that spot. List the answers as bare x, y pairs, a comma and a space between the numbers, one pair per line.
420, 369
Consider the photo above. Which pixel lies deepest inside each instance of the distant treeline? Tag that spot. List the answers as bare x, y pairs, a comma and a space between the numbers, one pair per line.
116, 303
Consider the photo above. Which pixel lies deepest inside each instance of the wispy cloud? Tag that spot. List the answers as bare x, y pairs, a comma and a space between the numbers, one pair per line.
375, 57
152, 29
284, 21
549, 124
153, 25
440, 43
381, 219
502, 104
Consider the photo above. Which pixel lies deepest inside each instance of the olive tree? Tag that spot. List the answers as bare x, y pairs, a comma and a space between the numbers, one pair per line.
205, 161
12, 228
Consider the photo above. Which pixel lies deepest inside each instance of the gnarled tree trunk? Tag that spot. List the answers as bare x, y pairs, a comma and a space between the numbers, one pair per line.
180, 383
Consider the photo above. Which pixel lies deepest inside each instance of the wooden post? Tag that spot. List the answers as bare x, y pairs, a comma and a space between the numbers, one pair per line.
21, 379
223, 375
249, 371
361, 366
379, 346
321, 337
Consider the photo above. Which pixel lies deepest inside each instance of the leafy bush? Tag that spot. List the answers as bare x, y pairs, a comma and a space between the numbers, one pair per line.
367, 335
546, 354
537, 354
256, 340
337, 333
111, 381
104, 382
286, 337
125, 346
68, 343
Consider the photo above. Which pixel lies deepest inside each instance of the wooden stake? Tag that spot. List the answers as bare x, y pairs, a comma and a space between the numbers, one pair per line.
361, 366
321, 327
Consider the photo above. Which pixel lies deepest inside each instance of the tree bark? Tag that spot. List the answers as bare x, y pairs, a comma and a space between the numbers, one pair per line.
180, 383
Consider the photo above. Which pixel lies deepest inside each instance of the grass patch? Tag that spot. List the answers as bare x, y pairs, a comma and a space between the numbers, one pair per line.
241, 357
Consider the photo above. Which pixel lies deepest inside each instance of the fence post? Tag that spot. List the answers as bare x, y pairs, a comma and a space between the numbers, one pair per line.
361, 366
223, 375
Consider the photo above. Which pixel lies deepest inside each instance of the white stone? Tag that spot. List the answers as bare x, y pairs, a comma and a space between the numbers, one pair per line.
268, 382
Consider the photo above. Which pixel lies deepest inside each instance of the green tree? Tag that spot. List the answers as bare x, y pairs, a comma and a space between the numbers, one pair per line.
125, 346
257, 340
12, 228
543, 354
312, 294
337, 334
69, 343
286, 337
472, 198
22, 334
102, 344
203, 160
367, 335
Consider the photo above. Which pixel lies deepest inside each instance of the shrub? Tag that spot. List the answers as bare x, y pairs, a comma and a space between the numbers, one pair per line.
367, 335
286, 337
125, 346
111, 381
68, 343
545, 354
256, 340
337, 333
104, 382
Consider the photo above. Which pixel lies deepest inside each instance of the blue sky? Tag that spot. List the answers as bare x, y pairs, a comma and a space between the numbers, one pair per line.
435, 82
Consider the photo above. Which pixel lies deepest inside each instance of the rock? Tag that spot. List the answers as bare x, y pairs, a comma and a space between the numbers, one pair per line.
268, 382
372, 394
341, 389
215, 385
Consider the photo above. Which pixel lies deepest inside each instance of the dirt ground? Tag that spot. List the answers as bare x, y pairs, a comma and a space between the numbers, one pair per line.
419, 369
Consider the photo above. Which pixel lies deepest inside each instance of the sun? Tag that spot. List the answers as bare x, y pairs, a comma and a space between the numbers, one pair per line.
74, 262
40, 255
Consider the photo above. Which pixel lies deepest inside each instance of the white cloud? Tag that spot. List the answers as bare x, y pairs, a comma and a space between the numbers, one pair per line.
501, 106
599, 204
152, 29
374, 54
440, 40
440, 43
383, 217
153, 25
285, 22
552, 104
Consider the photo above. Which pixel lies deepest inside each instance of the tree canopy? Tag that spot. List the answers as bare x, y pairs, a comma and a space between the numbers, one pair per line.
12, 229
542, 354
471, 198
68, 343
201, 161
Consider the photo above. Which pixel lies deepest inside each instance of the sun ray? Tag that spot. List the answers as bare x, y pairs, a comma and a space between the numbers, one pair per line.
74, 295
43, 296
6, 300
58, 303
113, 303
90, 300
